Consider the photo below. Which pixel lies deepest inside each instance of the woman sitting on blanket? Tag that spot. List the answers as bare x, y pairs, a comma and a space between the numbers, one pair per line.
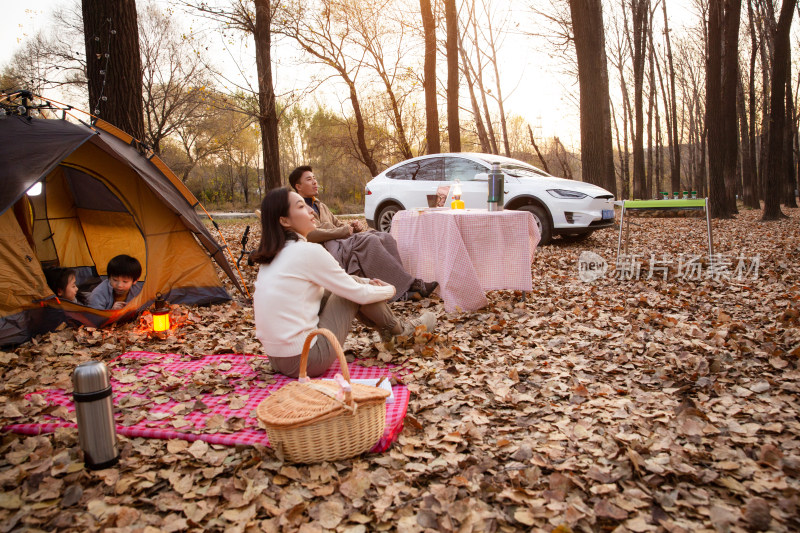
300, 287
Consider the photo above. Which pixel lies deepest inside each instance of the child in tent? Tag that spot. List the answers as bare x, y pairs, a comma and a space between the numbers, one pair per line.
62, 283
120, 287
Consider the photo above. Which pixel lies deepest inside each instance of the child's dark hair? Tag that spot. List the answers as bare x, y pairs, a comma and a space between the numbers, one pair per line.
57, 278
124, 265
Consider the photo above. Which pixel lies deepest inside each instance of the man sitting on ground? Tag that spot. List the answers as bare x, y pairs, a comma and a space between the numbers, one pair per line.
368, 254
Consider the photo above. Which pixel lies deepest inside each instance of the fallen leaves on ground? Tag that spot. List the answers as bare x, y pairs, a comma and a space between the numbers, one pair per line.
625, 405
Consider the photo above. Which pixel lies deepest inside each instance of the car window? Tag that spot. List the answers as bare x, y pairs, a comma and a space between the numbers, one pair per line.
522, 171
430, 169
458, 168
403, 172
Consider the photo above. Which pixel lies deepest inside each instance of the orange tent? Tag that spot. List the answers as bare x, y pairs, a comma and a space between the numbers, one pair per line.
100, 197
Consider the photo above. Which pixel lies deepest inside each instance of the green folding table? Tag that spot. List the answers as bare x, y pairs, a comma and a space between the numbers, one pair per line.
700, 204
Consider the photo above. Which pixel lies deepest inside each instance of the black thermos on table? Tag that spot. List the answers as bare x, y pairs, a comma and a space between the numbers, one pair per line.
495, 199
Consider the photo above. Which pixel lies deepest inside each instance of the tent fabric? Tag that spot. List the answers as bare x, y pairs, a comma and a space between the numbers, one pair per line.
21, 277
90, 193
21, 168
101, 197
167, 191
109, 232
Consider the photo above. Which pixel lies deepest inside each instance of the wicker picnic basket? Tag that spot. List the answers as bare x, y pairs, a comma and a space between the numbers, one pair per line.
311, 424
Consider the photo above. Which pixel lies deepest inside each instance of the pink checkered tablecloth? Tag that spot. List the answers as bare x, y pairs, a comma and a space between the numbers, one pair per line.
209, 397
468, 251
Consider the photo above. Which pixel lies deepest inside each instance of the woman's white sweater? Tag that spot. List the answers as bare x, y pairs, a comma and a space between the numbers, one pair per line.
288, 294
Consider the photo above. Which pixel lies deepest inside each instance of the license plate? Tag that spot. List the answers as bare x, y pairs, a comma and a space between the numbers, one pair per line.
608, 213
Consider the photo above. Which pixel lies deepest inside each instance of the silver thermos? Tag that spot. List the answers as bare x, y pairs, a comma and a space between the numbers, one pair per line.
95, 411
495, 200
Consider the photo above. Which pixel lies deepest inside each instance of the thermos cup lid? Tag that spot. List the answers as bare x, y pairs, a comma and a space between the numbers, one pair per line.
91, 376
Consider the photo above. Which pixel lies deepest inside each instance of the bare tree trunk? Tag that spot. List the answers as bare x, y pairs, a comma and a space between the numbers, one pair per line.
675, 145
562, 159
639, 13
722, 51
659, 177
749, 196
652, 106
402, 138
489, 125
113, 63
366, 153
730, 81
713, 122
499, 97
702, 180
625, 155
267, 112
453, 124
320, 35
775, 161
538, 153
791, 132
479, 79
766, 17
371, 35
751, 185
796, 140
665, 95
429, 80
597, 155
617, 136
476, 112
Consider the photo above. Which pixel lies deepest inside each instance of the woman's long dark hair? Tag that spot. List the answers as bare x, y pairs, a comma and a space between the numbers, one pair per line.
273, 236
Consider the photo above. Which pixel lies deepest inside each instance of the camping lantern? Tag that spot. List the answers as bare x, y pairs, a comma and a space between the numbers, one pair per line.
160, 314
457, 202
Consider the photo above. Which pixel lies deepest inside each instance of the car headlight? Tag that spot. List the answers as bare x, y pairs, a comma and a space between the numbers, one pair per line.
565, 194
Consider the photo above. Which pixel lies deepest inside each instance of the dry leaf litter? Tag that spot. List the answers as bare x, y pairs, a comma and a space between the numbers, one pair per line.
616, 405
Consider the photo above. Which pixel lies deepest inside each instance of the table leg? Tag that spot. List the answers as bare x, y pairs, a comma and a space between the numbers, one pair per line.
621, 222
627, 235
710, 237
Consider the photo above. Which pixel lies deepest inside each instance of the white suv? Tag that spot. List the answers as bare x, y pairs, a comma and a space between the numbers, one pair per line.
572, 209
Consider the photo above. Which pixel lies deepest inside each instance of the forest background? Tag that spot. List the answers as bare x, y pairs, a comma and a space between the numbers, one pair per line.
351, 99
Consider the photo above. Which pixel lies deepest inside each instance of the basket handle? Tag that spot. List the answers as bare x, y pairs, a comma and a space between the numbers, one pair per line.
328, 334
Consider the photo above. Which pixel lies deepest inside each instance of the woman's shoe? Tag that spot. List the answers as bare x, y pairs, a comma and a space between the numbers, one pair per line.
426, 320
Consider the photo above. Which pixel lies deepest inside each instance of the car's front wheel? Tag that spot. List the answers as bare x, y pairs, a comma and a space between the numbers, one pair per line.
384, 219
542, 222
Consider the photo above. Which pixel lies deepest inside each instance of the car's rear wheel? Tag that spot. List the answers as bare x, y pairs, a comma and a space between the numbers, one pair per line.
542, 222
576, 237
384, 219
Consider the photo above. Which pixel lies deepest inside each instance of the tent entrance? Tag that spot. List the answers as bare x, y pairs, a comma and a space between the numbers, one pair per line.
78, 221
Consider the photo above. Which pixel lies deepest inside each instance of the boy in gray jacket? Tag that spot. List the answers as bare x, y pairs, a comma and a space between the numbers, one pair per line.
120, 287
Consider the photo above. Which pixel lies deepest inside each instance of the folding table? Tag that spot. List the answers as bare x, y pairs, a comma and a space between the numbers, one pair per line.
699, 204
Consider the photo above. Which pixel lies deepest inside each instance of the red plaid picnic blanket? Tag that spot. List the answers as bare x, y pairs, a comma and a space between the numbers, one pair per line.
211, 398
